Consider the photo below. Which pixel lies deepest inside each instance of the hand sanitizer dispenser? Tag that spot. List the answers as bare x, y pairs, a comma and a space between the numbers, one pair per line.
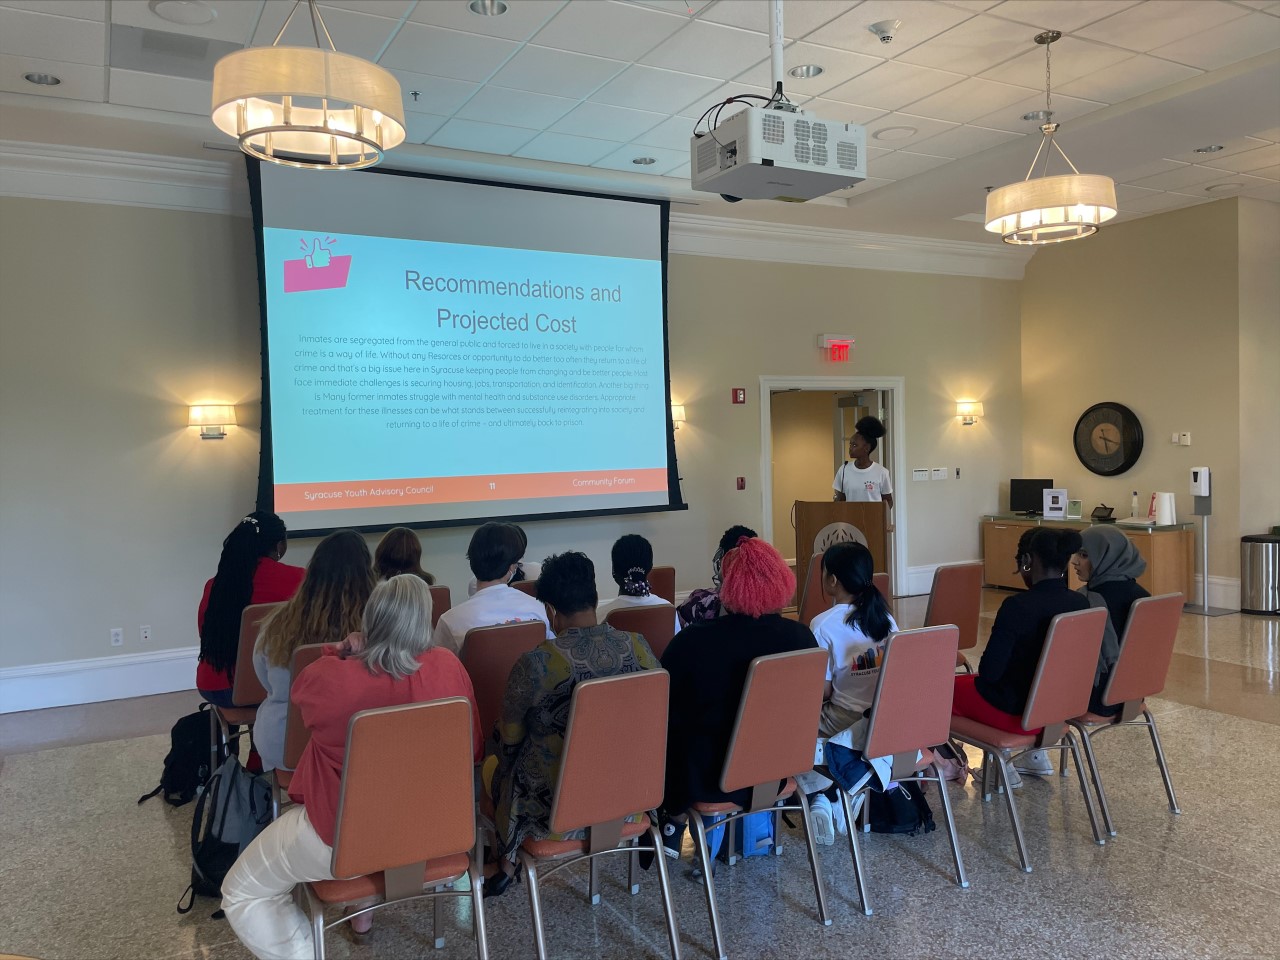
1200, 481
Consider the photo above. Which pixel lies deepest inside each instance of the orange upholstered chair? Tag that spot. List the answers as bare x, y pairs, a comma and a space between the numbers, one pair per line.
527, 586
440, 602
956, 598
613, 766
881, 580
657, 624
1059, 692
296, 734
813, 600
662, 581
246, 691
910, 713
406, 816
1140, 672
488, 654
773, 740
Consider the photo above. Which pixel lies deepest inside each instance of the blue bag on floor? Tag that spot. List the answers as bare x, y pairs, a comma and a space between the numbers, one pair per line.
754, 834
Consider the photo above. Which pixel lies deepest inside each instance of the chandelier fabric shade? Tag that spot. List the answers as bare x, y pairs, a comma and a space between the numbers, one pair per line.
1051, 209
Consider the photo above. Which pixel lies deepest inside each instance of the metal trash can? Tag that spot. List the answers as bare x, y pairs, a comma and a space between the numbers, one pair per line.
1260, 573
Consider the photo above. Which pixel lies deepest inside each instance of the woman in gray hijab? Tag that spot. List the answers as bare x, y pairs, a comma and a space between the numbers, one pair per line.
1109, 564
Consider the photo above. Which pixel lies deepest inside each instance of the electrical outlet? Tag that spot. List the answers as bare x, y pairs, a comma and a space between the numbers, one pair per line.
1184, 439
1174, 438
144, 634
919, 474
939, 473
117, 636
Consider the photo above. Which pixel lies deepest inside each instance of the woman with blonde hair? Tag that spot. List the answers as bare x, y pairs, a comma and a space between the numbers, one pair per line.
391, 663
326, 608
400, 551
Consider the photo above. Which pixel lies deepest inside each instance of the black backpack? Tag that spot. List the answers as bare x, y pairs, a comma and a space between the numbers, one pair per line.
901, 809
186, 766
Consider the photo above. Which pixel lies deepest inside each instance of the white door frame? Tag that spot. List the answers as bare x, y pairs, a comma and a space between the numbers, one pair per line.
897, 389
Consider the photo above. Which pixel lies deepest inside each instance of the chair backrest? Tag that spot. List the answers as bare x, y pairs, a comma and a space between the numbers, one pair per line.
440, 602
527, 586
296, 734
777, 723
246, 690
813, 600
1145, 649
956, 598
488, 654
912, 705
408, 792
1063, 679
662, 581
657, 624
881, 580
615, 750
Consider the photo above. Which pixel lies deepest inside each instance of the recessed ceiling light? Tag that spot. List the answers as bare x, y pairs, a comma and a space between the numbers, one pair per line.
1211, 148
189, 13
644, 161
1223, 187
895, 133
487, 8
42, 79
806, 71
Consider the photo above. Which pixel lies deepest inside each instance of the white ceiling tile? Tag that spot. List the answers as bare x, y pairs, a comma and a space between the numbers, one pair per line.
1188, 175
683, 8
80, 81
1229, 149
672, 134
892, 85
1128, 78
234, 23
649, 88
924, 127
920, 21
901, 164
1149, 169
176, 94
1150, 25
971, 47
697, 108
840, 112
1158, 202
558, 73
435, 94
395, 9
1267, 173
420, 126
969, 99
65, 39
665, 161
1226, 43
360, 34
1228, 184
1125, 192
973, 6
1271, 191
1072, 58
837, 67
481, 137
710, 50
565, 148
1272, 135
866, 186
1247, 161
521, 21
620, 31
519, 108
79, 9
447, 53
964, 141
1056, 15
1065, 109
604, 122
798, 19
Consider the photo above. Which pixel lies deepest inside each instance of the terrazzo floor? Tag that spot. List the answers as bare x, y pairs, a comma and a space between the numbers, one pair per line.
87, 873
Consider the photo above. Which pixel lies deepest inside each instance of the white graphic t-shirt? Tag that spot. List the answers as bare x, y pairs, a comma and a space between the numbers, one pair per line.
862, 486
853, 658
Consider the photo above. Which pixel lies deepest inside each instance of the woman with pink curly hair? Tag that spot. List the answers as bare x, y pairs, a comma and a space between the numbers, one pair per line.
708, 663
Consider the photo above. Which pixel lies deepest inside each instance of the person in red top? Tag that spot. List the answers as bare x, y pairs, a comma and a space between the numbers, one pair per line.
390, 664
249, 571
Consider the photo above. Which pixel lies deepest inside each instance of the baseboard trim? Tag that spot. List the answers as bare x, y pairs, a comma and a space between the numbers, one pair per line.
919, 579
1223, 592
70, 682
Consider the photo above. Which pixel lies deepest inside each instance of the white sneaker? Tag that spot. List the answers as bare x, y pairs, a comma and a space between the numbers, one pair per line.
1036, 764
837, 818
1014, 781
824, 831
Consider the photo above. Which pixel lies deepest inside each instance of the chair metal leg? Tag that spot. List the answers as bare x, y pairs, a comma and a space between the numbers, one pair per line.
961, 879
316, 911
437, 919
1062, 763
1160, 761
1070, 739
593, 882
664, 882
855, 849
708, 883
1095, 774
814, 863
1003, 770
986, 777
777, 830
633, 865
535, 905
477, 910
729, 844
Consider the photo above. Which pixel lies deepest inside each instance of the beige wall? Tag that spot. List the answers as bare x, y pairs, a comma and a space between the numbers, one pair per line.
1147, 314
803, 429
1259, 365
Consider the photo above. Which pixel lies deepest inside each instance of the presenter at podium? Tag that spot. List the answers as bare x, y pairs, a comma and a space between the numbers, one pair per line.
861, 479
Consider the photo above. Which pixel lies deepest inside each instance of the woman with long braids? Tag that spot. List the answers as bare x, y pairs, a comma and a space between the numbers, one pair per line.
249, 571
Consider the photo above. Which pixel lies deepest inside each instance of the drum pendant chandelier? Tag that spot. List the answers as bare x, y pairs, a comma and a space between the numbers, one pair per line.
306, 107
1050, 209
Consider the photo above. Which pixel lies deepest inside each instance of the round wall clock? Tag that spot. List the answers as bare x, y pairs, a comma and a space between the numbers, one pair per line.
1108, 438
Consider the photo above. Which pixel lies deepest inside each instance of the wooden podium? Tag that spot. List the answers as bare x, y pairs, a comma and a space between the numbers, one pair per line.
821, 523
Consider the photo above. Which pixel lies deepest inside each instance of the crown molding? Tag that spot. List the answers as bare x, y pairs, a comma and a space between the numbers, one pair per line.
58, 172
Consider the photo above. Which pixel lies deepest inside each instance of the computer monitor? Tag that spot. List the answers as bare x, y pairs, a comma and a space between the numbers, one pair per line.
1027, 496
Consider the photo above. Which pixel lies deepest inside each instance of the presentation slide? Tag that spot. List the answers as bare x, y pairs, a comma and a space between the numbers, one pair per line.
439, 351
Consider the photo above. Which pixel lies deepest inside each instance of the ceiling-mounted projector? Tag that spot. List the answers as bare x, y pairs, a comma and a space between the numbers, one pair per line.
762, 153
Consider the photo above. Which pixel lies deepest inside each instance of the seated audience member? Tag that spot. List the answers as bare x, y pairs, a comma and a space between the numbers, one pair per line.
494, 554
249, 572
1109, 564
997, 694
394, 664
525, 569
326, 608
400, 551
535, 709
632, 561
705, 604
708, 663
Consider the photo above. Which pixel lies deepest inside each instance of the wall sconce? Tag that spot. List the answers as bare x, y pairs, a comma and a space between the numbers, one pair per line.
212, 419
968, 412
677, 415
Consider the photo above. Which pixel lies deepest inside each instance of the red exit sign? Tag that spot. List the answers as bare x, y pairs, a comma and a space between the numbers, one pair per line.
838, 351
